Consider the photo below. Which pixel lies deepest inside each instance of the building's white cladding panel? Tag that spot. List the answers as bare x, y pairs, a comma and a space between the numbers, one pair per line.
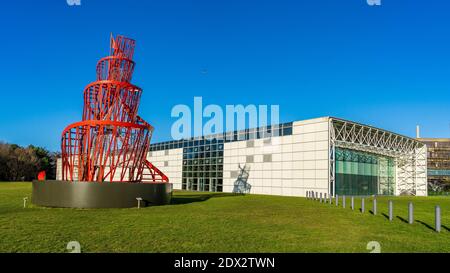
59, 169
170, 162
287, 165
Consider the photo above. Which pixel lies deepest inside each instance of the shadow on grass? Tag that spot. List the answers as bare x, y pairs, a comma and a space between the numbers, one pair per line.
193, 197
418, 221
398, 217
425, 224
387, 217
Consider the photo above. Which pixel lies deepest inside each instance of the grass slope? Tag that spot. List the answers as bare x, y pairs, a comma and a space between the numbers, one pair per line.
205, 222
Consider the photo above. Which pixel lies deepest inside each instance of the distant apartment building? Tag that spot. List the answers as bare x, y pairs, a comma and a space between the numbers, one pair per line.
438, 160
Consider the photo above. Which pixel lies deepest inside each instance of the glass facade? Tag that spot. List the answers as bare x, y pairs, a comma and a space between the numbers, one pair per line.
203, 166
361, 173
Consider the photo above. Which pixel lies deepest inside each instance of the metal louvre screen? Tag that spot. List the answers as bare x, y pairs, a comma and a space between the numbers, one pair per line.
361, 173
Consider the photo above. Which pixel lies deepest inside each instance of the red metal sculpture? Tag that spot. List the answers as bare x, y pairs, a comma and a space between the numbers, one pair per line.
41, 176
112, 141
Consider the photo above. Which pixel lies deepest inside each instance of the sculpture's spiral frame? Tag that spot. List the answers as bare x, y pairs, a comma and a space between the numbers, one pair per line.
111, 142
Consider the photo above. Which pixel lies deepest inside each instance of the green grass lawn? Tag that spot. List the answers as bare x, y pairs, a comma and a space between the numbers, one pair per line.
205, 222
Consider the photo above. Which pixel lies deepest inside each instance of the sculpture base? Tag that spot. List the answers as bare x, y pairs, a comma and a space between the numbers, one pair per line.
63, 194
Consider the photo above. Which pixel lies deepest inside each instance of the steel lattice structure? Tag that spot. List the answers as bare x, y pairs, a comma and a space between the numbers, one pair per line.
111, 142
410, 155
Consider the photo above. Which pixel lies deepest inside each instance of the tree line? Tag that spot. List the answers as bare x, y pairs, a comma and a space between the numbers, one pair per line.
24, 163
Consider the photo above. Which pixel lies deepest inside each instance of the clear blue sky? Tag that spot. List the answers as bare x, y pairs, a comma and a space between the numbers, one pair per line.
386, 66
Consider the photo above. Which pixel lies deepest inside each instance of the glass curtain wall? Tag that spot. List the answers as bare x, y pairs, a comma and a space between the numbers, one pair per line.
361, 173
203, 166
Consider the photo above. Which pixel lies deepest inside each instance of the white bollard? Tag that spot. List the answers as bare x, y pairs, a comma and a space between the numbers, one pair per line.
374, 208
437, 213
139, 199
391, 210
410, 213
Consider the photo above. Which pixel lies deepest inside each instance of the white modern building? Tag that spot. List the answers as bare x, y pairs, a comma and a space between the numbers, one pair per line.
325, 155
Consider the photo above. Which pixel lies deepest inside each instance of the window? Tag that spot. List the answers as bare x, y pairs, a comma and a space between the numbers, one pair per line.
267, 158
249, 159
287, 131
206, 166
360, 173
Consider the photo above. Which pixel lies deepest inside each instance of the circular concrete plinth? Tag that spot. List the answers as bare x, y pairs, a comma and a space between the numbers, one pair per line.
64, 194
